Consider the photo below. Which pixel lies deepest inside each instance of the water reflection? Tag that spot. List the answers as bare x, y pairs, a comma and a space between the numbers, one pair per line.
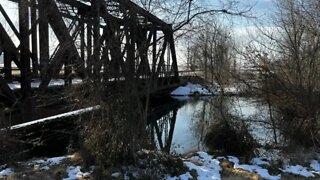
171, 126
162, 124
181, 126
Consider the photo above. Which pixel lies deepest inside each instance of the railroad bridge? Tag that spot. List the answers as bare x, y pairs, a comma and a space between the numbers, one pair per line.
99, 40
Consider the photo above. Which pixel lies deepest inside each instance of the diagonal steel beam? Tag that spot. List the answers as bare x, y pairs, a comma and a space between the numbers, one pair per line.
154, 19
8, 45
5, 15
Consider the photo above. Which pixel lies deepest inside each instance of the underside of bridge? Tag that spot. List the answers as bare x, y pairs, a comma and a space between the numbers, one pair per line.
100, 40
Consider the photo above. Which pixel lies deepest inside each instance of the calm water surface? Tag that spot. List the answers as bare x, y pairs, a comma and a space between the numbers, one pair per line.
182, 125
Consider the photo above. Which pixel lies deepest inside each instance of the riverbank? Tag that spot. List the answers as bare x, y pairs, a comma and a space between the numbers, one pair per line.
265, 164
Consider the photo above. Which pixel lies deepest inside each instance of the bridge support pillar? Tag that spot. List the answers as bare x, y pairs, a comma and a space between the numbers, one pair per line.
26, 75
44, 38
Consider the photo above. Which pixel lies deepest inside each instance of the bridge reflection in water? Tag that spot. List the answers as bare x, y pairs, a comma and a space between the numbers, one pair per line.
162, 124
175, 127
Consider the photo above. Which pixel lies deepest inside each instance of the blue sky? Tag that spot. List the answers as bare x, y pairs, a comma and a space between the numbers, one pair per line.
264, 6
241, 26
261, 9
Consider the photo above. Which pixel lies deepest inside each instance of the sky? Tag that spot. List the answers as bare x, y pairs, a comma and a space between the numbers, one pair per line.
260, 10
241, 27
12, 11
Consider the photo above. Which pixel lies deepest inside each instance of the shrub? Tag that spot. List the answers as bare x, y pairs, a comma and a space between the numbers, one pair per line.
229, 139
111, 135
9, 146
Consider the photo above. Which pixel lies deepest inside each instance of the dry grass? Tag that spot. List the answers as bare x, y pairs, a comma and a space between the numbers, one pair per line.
228, 172
35, 174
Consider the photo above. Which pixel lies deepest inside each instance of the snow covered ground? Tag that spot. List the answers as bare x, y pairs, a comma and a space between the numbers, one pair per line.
201, 166
205, 166
45, 165
254, 167
74, 172
191, 89
6, 172
197, 89
36, 83
208, 167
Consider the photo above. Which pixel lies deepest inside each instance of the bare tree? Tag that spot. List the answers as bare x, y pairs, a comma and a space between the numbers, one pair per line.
288, 69
187, 16
211, 52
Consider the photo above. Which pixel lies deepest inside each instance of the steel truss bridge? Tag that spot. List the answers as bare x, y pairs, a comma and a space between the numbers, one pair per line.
94, 40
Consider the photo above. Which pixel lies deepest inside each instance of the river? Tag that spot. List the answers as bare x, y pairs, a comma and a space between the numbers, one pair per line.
182, 125
177, 126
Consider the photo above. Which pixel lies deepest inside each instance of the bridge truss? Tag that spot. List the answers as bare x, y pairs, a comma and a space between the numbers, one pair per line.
92, 39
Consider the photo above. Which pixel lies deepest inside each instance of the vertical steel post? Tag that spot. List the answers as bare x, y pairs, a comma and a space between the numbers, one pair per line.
34, 54
44, 37
89, 49
82, 43
154, 51
96, 37
25, 61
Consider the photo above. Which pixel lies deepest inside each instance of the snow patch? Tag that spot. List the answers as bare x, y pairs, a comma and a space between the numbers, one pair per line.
298, 170
205, 166
185, 176
77, 81
260, 161
74, 172
204, 172
55, 160
315, 165
181, 91
6, 172
36, 83
116, 175
191, 89
233, 159
48, 162
45, 164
